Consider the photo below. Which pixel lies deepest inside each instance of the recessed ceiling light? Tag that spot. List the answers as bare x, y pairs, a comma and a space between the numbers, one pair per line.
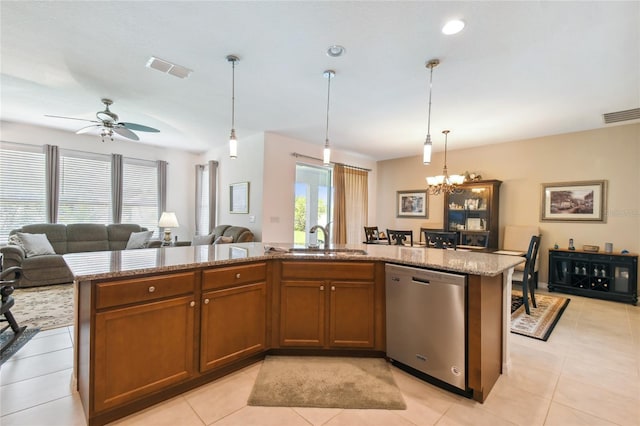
336, 50
453, 27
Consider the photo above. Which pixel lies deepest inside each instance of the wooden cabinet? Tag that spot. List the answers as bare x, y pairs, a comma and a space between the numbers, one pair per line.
600, 275
327, 305
234, 314
474, 208
144, 337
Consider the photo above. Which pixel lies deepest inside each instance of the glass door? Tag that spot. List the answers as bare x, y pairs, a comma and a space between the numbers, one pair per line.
313, 203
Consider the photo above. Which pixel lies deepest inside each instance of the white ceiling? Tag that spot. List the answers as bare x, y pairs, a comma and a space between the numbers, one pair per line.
518, 70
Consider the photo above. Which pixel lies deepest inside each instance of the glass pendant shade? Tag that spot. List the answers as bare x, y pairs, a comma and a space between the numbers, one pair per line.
426, 151
233, 145
326, 155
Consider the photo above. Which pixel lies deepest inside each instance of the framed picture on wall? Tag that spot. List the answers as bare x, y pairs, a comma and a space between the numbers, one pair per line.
239, 197
584, 201
411, 204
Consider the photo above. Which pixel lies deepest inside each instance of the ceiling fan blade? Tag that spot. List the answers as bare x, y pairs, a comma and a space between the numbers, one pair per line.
139, 127
72, 118
86, 129
122, 131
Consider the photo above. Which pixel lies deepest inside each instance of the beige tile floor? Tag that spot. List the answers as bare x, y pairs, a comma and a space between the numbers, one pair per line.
587, 373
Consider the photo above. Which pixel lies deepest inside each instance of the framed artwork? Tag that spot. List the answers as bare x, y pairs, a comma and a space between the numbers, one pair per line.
239, 197
574, 201
411, 204
238, 252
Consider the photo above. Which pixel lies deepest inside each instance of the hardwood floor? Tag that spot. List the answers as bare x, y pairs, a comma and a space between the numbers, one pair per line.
587, 373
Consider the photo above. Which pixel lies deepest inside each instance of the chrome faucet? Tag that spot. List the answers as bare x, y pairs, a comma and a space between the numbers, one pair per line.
324, 231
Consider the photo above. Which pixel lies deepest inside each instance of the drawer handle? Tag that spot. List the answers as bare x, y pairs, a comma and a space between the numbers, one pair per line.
206, 301
333, 288
192, 304
152, 289
321, 288
238, 275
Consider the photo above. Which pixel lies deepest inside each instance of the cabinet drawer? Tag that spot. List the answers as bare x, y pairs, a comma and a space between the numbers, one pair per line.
233, 275
329, 270
136, 290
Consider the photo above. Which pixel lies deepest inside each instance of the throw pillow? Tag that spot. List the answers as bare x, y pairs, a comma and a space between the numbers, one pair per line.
223, 240
138, 240
202, 240
14, 240
35, 244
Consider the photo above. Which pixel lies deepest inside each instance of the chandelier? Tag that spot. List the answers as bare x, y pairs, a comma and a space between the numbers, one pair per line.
444, 184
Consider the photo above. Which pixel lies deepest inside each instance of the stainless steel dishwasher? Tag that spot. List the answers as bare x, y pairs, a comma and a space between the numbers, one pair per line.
426, 324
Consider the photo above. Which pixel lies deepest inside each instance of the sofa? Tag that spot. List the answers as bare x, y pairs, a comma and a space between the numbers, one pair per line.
46, 269
224, 234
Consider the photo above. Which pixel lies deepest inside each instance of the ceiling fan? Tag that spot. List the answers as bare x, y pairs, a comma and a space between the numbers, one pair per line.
108, 122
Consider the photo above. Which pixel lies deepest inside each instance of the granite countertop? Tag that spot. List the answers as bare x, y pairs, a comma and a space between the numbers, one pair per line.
113, 264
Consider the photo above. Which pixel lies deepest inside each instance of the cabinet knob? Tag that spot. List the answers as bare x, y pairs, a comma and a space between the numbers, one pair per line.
152, 289
206, 301
333, 288
237, 275
321, 288
192, 304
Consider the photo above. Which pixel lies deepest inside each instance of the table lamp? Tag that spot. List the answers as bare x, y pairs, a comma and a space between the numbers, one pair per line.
167, 221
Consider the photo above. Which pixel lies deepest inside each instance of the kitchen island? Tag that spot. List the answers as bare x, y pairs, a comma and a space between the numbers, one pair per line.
153, 323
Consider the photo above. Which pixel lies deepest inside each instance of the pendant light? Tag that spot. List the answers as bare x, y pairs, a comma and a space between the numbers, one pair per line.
233, 143
326, 155
444, 183
426, 150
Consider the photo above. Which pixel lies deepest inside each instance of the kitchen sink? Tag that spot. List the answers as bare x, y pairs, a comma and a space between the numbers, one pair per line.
327, 251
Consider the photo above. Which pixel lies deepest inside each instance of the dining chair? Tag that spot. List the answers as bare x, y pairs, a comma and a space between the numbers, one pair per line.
474, 238
441, 240
430, 230
7, 302
371, 234
527, 276
517, 238
398, 237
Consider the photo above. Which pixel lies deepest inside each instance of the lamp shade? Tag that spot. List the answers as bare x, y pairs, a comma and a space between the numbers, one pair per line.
168, 220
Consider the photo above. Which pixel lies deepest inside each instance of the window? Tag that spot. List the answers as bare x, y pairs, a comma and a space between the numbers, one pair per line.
313, 202
202, 200
22, 187
140, 193
85, 188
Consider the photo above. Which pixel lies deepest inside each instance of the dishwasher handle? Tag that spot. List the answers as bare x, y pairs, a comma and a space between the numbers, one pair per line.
420, 280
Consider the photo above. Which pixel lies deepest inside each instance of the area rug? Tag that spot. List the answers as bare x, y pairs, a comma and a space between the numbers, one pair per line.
44, 307
542, 320
15, 346
326, 382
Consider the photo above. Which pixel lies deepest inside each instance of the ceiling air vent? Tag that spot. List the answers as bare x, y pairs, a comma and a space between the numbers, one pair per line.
168, 67
615, 117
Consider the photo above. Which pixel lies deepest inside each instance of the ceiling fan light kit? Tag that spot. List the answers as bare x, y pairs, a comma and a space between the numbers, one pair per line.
108, 124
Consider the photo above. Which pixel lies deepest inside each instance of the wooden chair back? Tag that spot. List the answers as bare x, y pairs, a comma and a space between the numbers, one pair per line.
398, 237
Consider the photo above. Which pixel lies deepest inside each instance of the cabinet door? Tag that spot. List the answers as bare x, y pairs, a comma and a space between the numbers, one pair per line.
233, 324
302, 313
141, 349
351, 317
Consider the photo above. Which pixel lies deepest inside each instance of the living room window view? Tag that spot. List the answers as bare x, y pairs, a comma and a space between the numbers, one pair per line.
422, 213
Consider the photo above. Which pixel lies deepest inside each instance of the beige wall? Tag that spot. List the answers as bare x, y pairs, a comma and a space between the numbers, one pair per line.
611, 154
248, 167
279, 180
